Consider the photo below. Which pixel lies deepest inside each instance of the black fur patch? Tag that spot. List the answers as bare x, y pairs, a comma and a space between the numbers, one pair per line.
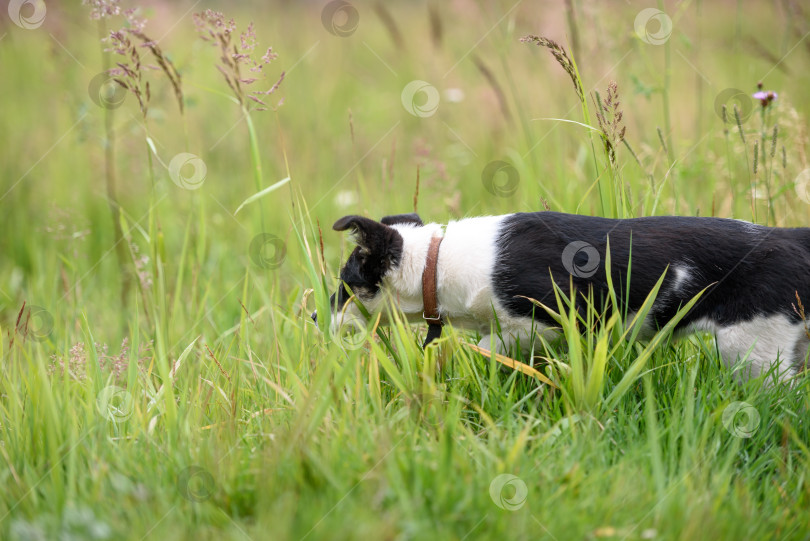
411, 218
749, 269
379, 249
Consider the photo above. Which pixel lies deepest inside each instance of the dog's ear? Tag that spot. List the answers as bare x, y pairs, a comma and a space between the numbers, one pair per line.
371, 236
411, 218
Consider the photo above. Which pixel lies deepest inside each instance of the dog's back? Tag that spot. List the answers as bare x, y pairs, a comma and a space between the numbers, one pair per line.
751, 274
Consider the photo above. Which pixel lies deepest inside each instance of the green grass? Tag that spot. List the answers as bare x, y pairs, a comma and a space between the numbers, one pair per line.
229, 415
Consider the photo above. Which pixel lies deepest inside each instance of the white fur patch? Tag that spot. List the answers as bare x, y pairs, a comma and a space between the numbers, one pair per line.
769, 339
464, 278
682, 277
463, 273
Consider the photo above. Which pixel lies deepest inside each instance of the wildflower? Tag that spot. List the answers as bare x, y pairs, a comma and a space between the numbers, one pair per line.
765, 97
346, 198
454, 95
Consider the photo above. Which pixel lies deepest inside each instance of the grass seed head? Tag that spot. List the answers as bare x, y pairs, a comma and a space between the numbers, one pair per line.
236, 58
739, 122
562, 58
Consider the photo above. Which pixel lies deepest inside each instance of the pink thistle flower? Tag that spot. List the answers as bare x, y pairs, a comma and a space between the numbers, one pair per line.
765, 97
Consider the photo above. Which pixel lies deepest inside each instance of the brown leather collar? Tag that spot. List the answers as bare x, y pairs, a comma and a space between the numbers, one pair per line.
431, 306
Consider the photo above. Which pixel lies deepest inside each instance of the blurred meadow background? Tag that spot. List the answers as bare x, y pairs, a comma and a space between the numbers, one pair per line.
166, 231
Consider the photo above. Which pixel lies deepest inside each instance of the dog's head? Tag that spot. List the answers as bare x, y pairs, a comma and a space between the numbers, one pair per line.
379, 251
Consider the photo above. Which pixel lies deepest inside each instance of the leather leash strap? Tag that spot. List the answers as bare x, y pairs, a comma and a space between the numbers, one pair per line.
431, 306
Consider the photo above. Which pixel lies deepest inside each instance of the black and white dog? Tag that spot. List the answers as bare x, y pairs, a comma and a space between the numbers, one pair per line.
488, 266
